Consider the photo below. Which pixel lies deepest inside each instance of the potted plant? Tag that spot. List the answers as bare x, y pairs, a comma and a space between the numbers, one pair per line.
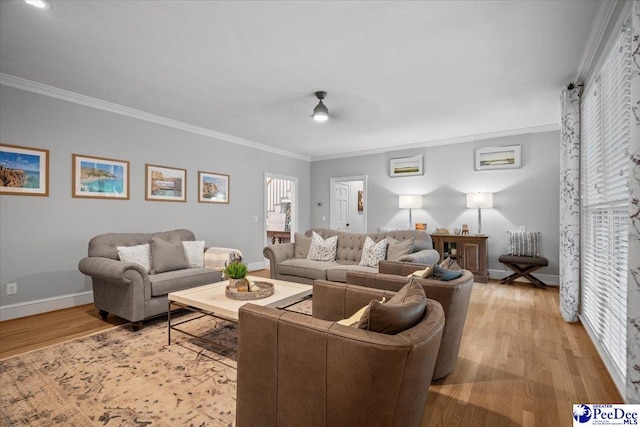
236, 272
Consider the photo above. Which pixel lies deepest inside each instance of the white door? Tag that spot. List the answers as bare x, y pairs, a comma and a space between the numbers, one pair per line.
341, 210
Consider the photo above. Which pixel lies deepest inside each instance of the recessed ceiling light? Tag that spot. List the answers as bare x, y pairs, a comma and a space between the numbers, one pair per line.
40, 4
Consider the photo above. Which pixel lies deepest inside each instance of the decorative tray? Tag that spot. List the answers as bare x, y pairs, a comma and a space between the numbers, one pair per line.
259, 290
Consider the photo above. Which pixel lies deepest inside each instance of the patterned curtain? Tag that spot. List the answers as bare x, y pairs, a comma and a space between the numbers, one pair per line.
633, 286
570, 204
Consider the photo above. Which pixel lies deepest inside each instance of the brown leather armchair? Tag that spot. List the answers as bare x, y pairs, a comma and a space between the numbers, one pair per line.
297, 370
454, 297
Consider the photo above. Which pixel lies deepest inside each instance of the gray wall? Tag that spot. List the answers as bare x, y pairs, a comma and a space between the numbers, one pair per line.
43, 238
528, 196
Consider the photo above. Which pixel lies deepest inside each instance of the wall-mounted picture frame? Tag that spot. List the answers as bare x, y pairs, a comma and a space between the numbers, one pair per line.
165, 184
421, 226
24, 171
213, 187
99, 178
405, 166
507, 157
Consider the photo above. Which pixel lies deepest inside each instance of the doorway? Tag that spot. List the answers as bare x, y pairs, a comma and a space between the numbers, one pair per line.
348, 204
281, 208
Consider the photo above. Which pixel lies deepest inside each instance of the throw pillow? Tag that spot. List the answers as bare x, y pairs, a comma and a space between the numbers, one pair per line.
301, 246
445, 275
425, 274
397, 249
403, 311
166, 256
355, 317
194, 252
321, 249
455, 266
446, 263
138, 254
372, 252
524, 243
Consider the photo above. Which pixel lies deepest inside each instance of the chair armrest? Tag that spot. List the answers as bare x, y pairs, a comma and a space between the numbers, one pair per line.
398, 268
390, 282
334, 301
276, 254
110, 270
425, 256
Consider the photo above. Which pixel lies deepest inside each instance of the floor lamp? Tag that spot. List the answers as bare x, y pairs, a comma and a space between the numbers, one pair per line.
410, 201
479, 201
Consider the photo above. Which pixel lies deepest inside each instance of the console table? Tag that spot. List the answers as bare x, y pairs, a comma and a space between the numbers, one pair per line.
279, 236
470, 252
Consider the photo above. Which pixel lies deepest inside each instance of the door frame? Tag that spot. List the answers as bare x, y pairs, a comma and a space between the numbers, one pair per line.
295, 202
332, 203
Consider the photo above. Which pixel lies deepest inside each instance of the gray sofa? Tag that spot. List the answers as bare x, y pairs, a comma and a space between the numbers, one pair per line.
289, 262
126, 289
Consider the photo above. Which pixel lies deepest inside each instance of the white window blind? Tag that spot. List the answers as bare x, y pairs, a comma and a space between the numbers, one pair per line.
605, 139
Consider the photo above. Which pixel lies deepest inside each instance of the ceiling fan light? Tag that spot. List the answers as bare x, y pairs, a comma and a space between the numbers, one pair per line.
40, 4
321, 112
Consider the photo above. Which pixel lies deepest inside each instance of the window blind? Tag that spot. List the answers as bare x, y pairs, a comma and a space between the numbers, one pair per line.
605, 138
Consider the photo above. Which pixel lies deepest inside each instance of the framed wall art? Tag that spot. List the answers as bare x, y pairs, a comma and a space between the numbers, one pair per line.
99, 178
507, 157
213, 187
405, 166
165, 184
24, 171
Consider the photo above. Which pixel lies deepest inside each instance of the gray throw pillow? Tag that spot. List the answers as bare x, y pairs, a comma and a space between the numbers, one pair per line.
166, 256
397, 249
403, 311
301, 246
445, 275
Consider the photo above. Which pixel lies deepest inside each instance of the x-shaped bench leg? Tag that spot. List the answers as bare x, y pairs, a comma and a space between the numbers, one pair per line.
524, 272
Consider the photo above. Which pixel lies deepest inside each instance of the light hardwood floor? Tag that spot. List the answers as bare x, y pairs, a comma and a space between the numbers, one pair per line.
520, 364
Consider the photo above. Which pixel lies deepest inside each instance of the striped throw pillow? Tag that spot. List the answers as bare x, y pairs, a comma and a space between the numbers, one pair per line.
524, 243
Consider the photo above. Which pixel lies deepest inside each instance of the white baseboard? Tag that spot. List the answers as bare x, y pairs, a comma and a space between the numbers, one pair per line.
29, 308
549, 279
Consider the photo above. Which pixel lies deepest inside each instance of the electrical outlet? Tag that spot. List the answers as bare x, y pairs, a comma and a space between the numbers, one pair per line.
12, 288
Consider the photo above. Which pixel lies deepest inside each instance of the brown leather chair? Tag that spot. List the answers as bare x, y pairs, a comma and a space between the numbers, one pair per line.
454, 297
297, 370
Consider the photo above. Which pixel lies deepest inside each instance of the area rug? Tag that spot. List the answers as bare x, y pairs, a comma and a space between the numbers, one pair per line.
125, 378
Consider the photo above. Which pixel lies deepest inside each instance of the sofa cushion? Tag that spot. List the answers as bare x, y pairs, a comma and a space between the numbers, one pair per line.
139, 254
301, 246
372, 252
338, 271
403, 311
177, 280
194, 253
397, 249
305, 268
322, 249
167, 256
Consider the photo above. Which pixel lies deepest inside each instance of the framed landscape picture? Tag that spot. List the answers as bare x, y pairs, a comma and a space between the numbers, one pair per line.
405, 166
213, 187
24, 171
165, 184
507, 157
99, 178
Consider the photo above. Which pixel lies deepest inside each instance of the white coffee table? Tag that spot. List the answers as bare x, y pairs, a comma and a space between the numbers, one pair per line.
211, 300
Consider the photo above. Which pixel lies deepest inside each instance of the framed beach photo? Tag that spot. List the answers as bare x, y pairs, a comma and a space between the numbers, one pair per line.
213, 187
24, 171
405, 166
165, 184
99, 178
507, 157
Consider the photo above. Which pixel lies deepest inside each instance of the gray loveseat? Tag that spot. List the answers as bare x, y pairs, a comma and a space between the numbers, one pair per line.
126, 289
288, 261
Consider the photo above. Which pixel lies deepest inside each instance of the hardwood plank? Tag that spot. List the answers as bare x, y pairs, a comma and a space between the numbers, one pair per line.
520, 364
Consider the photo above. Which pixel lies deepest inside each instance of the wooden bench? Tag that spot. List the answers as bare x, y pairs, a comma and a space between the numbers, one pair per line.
523, 266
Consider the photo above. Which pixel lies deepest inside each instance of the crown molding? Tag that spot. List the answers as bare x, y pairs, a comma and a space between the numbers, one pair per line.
448, 141
595, 37
76, 98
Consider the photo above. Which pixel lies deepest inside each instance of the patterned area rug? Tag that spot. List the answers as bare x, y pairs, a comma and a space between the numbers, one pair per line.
125, 378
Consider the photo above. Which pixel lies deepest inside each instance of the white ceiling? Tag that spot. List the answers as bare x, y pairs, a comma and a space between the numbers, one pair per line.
397, 73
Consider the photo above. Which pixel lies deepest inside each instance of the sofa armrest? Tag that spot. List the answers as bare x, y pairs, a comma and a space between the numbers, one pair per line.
111, 270
425, 256
276, 254
335, 301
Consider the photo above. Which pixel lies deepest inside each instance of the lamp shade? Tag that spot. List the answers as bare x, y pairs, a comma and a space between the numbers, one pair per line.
410, 201
480, 200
